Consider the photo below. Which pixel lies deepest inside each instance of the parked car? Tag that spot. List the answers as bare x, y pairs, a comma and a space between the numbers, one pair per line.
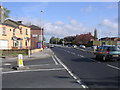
51, 46
74, 46
82, 46
108, 52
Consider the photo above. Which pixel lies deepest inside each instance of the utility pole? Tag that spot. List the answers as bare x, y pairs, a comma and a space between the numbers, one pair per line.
41, 28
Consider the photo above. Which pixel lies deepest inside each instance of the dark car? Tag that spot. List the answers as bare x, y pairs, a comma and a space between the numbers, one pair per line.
108, 52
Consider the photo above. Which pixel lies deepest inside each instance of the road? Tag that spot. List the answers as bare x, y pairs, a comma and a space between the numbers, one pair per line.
42, 73
93, 73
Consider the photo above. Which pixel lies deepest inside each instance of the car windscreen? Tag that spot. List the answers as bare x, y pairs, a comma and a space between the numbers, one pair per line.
113, 49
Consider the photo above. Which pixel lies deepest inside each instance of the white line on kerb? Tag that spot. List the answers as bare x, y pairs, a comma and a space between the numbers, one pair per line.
56, 63
53, 69
84, 86
113, 66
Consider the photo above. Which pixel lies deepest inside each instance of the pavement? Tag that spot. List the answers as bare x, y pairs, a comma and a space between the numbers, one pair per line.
43, 70
43, 54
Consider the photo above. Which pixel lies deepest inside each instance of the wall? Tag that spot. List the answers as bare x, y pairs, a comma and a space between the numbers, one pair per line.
99, 43
35, 40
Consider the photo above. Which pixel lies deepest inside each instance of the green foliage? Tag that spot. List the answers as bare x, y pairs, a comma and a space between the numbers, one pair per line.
54, 40
6, 13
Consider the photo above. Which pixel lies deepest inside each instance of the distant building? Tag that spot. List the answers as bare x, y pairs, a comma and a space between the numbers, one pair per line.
95, 34
14, 35
107, 41
36, 37
1, 14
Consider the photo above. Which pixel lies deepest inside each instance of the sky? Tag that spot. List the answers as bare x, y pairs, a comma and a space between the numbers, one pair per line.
60, 19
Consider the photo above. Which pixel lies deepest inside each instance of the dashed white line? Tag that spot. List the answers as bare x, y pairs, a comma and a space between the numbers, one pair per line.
56, 63
73, 53
84, 86
81, 56
113, 67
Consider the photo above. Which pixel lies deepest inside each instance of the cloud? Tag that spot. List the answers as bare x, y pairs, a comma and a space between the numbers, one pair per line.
58, 28
108, 28
87, 9
109, 24
73, 27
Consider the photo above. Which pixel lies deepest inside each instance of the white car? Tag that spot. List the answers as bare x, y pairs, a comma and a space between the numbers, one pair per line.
82, 46
74, 46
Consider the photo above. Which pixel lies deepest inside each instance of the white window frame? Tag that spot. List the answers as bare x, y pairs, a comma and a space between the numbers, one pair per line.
3, 30
26, 31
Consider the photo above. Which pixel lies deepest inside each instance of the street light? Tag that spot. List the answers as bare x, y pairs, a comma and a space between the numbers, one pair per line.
41, 28
99, 26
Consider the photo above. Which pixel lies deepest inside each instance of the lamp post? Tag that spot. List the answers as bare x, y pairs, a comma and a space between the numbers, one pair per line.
41, 28
99, 25
110, 39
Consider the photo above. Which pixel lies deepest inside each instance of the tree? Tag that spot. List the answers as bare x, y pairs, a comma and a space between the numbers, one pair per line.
6, 13
52, 39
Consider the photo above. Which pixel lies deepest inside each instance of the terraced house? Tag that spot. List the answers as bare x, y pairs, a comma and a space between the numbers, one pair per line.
14, 35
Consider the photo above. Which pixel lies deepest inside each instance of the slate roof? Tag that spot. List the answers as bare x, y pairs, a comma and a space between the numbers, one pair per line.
34, 27
13, 23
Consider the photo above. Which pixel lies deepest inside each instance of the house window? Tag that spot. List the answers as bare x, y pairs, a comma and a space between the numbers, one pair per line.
4, 31
20, 31
26, 44
15, 43
26, 31
13, 32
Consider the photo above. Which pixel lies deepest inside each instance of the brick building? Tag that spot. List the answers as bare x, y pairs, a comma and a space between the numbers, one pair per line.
36, 37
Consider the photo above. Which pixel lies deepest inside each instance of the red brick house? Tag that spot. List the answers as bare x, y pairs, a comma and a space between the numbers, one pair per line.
36, 37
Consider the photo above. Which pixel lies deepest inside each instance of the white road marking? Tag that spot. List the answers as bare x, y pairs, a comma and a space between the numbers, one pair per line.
7, 64
68, 51
73, 53
53, 69
39, 65
1, 68
84, 86
81, 56
113, 67
56, 63
92, 59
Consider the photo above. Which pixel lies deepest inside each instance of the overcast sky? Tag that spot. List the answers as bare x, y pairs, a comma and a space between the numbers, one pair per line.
68, 18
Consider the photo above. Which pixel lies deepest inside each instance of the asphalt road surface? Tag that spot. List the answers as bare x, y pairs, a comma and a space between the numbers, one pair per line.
42, 73
93, 73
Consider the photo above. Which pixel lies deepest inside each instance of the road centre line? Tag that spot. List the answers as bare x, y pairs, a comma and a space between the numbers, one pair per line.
113, 67
56, 63
53, 69
84, 86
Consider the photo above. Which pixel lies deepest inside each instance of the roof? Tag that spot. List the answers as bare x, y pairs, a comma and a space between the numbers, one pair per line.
13, 23
34, 27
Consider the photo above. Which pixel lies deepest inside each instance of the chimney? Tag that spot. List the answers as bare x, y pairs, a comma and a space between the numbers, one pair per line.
20, 22
1, 14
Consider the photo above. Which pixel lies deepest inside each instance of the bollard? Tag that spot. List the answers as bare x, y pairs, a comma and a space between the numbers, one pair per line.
20, 60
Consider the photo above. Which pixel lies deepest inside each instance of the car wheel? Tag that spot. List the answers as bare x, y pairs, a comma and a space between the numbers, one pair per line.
96, 57
104, 58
